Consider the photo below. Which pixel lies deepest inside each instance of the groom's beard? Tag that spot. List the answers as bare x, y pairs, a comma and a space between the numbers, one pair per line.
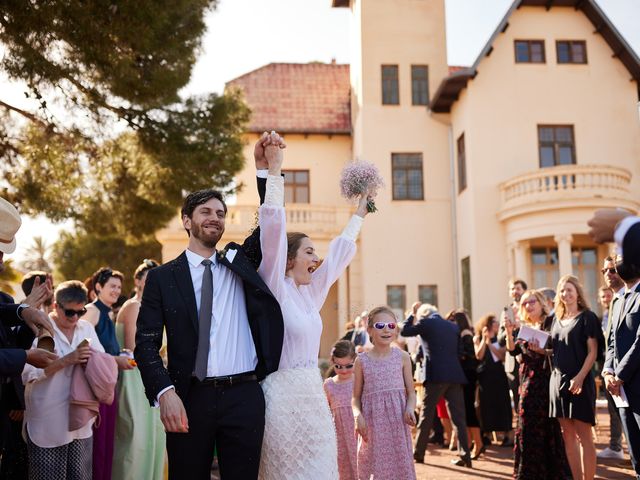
209, 240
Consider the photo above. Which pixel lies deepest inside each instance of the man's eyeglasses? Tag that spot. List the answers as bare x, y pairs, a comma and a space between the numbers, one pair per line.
608, 270
381, 325
69, 313
343, 367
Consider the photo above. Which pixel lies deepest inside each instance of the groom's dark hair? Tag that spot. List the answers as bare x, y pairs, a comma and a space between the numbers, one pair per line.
198, 198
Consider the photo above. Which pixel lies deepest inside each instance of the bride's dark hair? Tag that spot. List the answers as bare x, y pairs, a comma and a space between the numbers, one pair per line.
294, 239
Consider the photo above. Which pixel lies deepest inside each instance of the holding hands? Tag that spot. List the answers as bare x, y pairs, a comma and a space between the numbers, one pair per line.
267, 152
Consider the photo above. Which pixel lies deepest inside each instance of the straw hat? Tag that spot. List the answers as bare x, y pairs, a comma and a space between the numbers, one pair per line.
9, 224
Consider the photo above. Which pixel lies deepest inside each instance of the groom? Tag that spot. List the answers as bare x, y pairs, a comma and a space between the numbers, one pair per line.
224, 333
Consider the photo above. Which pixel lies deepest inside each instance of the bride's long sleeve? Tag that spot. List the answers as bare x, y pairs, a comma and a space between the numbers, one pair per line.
273, 237
342, 249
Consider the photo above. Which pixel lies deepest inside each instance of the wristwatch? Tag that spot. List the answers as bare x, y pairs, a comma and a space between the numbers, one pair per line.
21, 307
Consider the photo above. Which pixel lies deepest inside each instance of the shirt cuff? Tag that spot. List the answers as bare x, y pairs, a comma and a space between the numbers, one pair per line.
275, 191
262, 173
623, 227
608, 370
352, 229
156, 404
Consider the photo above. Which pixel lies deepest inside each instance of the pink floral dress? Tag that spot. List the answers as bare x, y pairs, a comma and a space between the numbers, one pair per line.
387, 453
339, 396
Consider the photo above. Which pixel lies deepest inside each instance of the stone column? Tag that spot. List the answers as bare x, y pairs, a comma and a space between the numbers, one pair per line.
521, 260
564, 253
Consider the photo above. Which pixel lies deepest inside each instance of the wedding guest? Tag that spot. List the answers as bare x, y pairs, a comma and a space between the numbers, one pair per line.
55, 453
493, 388
339, 391
539, 448
139, 433
107, 285
572, 391
384, 401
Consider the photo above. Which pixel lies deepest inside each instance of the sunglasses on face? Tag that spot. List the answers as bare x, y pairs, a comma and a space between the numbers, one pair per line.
343, 367
532, 301
69, 313
608, 270
381, 325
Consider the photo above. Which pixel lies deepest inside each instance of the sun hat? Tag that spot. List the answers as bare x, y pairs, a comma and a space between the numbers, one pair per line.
9, 224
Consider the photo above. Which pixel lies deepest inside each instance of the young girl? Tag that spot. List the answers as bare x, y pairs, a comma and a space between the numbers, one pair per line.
339, 390
384, 401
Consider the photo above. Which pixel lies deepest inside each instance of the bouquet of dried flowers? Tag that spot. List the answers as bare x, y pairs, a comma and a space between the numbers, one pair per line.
361, 177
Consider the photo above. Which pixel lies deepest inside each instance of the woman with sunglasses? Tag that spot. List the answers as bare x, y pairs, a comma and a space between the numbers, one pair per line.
139, 433
108, 286
539, 448
54, 452
291, 269
339, 390
384, 401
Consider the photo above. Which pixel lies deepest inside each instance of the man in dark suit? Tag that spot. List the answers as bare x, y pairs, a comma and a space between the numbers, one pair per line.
224, 333
622, 364
443, 377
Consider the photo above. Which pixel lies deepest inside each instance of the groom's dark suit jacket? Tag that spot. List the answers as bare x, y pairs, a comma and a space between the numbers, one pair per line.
168, 301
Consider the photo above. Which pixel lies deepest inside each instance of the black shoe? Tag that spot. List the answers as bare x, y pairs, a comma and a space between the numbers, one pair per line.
438, 439
461, 462
486, 441
480, 452
418, 458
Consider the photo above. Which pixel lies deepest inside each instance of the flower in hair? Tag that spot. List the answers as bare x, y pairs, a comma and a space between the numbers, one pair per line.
361, 177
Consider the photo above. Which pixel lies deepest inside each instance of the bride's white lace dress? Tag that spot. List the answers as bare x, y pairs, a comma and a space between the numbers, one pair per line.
299, 435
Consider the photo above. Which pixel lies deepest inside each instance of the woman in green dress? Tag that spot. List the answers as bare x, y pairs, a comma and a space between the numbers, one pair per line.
139, 437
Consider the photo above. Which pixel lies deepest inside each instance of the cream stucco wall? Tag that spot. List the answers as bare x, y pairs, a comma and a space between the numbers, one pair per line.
499, 113
406, 242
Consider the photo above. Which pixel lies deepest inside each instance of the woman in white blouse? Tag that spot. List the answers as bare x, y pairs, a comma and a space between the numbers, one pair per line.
54, 451
299, 439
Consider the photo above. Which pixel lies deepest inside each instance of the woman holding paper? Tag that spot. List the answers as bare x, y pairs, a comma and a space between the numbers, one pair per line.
493, 388
572, 391
536, 434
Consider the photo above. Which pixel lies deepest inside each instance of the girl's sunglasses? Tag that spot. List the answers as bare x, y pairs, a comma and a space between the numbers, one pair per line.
343, 367
381, 325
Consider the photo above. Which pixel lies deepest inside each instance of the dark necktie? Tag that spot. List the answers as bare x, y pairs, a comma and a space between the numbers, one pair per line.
204, 321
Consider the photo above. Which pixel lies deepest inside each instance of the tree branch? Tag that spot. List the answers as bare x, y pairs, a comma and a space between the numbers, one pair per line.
24, 113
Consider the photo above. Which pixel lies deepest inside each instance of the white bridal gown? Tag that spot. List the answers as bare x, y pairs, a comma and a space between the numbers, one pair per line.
299, 437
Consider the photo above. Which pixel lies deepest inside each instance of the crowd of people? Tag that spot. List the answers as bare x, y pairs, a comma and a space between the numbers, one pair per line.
215, 354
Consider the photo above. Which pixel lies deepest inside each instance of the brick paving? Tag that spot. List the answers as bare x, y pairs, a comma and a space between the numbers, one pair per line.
497, 462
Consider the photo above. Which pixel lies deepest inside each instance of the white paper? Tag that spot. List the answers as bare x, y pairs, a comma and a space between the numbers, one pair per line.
528, 334
493, 355
621, 400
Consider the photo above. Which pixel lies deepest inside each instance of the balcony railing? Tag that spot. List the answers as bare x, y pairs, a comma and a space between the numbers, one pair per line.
574, 185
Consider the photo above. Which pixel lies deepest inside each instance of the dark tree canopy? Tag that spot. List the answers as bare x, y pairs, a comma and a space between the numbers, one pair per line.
107, 140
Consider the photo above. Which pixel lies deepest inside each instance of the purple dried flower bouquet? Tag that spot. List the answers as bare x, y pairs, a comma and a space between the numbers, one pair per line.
360, 177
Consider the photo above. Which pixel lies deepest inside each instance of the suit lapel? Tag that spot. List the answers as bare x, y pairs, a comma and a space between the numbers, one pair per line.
185, 286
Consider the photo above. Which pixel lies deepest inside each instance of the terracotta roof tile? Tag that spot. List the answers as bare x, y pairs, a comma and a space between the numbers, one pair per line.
298, 97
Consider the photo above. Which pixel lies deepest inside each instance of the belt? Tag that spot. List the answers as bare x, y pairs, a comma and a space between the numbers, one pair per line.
229, 380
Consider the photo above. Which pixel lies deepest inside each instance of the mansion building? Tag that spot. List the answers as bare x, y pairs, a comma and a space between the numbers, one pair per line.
491, 170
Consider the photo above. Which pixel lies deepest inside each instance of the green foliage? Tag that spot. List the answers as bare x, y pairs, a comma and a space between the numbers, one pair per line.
78, 255
36, 256
9, 276
107, 141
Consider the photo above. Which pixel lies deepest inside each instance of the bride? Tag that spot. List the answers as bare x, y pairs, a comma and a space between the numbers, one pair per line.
299, 439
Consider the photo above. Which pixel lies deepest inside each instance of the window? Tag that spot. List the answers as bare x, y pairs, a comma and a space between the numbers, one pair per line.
397, 299
529, 51
419, 85
571, 51
465, 268
544, 267
462, 165
556, 145
428, 294
390, 89
407, 176
296, 186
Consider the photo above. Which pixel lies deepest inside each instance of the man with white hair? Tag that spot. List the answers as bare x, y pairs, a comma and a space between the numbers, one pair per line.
443, 377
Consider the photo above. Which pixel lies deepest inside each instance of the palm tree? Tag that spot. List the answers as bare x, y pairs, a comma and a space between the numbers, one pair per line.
36, 256
9, 276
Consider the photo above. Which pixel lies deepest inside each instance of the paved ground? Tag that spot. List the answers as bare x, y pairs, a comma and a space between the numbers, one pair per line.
497, 462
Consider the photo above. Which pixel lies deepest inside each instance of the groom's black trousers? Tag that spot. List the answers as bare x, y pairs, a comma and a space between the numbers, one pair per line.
229, 418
